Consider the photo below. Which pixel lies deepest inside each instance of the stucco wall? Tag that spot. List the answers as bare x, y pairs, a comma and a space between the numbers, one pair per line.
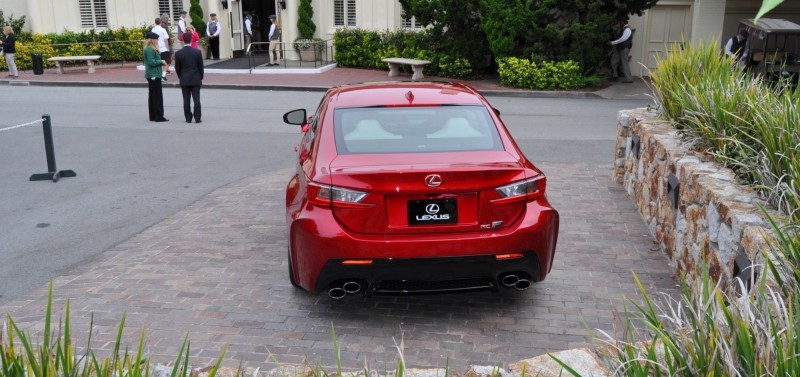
715, 219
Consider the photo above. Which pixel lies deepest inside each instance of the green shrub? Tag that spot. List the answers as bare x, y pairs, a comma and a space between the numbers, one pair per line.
365, 49
524, 73
113, 45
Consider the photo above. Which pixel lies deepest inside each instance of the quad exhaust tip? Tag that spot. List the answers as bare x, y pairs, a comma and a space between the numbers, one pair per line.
339, 292
513, 280
351, 287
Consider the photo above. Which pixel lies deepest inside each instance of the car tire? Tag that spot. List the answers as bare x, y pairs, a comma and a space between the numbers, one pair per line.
291, 270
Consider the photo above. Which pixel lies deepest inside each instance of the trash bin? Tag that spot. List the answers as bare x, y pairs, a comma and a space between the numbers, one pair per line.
38, 64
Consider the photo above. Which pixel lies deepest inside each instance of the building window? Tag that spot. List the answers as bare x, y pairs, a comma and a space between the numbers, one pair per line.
410, 23
171, 7
93, 14
344, 13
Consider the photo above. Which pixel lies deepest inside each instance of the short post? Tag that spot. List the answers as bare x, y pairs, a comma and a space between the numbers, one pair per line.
52, 173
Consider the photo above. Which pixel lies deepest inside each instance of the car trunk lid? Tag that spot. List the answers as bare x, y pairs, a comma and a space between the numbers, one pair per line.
427, 193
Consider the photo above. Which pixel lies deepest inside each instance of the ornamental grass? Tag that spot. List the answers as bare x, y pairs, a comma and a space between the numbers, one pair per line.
752, 126
747, 123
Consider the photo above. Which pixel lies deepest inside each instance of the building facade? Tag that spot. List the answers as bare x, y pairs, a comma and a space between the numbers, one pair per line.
668, 23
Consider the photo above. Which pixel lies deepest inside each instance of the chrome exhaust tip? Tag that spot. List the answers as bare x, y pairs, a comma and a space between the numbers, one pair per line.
351, 287
509, 280
337, 293
522, 284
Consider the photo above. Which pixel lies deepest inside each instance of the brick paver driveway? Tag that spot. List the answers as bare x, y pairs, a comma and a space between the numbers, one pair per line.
217, 271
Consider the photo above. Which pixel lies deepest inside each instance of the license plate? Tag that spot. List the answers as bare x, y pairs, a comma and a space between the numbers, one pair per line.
432, 212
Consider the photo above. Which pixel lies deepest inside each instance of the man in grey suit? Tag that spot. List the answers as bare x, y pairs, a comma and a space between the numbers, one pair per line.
189, 67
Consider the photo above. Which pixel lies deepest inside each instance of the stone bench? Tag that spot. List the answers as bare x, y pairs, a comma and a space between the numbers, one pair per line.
88, 58
416, 65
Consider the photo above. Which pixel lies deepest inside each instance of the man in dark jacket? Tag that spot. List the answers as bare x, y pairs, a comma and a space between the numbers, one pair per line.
189, 67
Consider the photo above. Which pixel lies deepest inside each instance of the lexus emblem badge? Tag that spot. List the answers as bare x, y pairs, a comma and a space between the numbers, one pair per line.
433, 180
432, 209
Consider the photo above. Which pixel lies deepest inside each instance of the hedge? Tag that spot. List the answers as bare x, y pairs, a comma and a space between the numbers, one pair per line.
524, 73
359, 48
113, 45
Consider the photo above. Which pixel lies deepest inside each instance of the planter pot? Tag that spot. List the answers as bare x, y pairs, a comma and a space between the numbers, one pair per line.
309, 55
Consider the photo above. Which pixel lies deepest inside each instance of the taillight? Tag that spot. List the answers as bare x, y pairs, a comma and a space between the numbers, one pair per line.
326, 196
529, 189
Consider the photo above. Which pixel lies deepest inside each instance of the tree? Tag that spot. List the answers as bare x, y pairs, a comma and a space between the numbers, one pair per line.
539, 29
198, 19
305, 20
16, 23
454, 27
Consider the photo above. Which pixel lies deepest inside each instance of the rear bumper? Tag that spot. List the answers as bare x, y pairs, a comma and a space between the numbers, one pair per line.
426, 275
460, 261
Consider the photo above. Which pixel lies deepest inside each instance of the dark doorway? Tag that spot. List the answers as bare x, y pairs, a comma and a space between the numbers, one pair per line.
261, 10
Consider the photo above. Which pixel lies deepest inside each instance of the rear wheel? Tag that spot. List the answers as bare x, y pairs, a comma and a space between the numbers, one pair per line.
291, 270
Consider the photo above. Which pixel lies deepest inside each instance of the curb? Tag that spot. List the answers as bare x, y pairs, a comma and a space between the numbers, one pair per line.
488, 92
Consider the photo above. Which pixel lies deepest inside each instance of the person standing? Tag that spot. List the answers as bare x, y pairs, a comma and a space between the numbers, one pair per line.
9, 43
195, 37
736, 48
621, 47
163, 46
248, 30
212, 31
274, 41
189, 68
153, 65
181, 25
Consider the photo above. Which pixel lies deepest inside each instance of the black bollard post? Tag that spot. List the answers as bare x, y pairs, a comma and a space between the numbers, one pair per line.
52, 173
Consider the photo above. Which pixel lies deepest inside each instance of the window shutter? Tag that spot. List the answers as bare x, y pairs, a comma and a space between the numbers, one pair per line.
100, 15
93, 14
87, 21
351, 12
344, 13
338, 12
171, 7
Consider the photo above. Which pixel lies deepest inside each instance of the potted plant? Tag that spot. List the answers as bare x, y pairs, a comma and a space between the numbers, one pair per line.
306, 45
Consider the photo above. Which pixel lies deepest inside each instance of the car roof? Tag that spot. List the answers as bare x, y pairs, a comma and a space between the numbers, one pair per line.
396, 93
773, 25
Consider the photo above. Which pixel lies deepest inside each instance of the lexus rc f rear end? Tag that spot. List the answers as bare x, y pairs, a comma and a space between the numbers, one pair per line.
404, 187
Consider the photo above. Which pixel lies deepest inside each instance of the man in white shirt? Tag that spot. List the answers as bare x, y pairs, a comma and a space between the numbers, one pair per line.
181, 25
275, 52
248, 29
163, 44
621, 47
736, 48
212, 31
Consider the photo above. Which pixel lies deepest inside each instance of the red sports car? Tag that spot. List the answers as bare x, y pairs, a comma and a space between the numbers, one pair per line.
412, 187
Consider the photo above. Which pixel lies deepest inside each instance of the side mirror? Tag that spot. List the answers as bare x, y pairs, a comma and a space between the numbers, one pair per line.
496, 111
295, 117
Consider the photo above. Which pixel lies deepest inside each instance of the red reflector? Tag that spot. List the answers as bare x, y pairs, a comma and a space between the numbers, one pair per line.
357, 262
508, 256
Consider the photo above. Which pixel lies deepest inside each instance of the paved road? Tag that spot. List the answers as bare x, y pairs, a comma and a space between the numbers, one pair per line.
181, 227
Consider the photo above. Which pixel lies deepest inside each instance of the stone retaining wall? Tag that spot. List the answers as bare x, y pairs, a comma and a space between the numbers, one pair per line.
693, 206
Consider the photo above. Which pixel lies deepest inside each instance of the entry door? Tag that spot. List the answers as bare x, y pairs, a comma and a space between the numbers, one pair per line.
667, 28
237, 37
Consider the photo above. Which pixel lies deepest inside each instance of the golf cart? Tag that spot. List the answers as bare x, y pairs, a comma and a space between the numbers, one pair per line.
773, 48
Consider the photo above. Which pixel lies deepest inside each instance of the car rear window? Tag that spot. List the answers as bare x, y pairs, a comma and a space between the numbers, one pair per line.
455, 128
